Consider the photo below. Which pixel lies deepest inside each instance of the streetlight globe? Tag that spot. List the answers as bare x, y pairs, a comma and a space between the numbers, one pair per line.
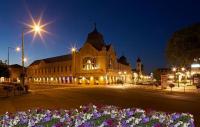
37, 28
183, 69
173, 69
73, 49
17, 49
25, 59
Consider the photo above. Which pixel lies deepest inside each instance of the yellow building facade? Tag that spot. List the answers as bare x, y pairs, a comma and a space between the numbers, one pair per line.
94, 63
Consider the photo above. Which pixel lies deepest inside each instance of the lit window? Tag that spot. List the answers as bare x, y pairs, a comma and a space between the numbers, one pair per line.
89, 63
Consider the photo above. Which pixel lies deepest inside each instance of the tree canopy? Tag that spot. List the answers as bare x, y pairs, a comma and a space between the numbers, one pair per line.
157, 74
184, 46
4, 70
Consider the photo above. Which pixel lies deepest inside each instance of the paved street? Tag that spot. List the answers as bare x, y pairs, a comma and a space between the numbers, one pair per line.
125, 97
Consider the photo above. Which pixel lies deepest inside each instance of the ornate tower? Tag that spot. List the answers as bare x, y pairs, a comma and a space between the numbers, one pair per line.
139, 66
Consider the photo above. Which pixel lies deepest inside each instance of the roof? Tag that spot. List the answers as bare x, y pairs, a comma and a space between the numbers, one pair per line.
15, 66
138, 59
123, 60
108, 47
96, 39
53, 59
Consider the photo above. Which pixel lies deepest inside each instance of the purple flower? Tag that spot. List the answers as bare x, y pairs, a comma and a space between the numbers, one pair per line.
97, 115
145, 120
47, 118
87, 124
175, 116
130, 113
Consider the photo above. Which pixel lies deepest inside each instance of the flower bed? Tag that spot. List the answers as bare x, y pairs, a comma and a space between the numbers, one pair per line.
92, 116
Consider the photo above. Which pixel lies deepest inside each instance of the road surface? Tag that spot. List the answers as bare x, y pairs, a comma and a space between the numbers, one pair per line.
71, 97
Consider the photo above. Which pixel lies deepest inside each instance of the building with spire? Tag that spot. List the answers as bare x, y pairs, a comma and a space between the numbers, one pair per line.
139, 66
94, 63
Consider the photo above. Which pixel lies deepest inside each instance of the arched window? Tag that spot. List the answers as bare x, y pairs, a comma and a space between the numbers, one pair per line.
89, 63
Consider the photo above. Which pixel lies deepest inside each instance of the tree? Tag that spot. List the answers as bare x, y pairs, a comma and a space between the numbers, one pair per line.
4, 70
184, 46
171, 86
157, 74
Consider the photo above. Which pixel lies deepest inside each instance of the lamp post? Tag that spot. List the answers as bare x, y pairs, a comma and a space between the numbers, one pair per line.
37, 28
73, 50
23, 70
174, 69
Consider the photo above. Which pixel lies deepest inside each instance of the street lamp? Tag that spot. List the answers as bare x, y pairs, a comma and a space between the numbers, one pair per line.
174, 69
16, 49
37, 28
73, 50
183, 69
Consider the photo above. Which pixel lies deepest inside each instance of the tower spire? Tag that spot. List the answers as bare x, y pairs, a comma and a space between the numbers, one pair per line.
95, 27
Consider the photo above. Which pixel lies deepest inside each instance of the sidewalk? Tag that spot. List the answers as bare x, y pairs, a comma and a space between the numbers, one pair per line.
188, 89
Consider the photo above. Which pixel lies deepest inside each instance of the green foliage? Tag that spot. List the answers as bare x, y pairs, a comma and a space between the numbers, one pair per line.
171, 85
184, 46
49, 123
4, 70
151, 123
183, 119
138, 114
156, 74
101, 119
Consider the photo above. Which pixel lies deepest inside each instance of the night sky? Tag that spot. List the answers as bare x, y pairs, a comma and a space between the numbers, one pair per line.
134, 27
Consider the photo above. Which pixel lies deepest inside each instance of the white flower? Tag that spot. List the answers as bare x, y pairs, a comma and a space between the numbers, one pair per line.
62, 120
94, 106
178, 124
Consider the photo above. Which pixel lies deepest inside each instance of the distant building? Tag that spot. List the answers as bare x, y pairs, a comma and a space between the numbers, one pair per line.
139, 66
15, 72
94, 63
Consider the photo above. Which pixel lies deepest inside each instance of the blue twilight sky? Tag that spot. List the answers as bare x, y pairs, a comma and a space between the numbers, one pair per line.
134, 27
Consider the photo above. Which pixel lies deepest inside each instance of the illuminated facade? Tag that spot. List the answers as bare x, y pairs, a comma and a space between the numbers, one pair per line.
94, 63
15, 73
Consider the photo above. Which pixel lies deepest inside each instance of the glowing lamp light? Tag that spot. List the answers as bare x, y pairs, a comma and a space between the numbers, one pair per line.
195, 66
73, 49
25, 60
101, 78
173, 69
37, 28
183, 69
91, 78
18, 49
